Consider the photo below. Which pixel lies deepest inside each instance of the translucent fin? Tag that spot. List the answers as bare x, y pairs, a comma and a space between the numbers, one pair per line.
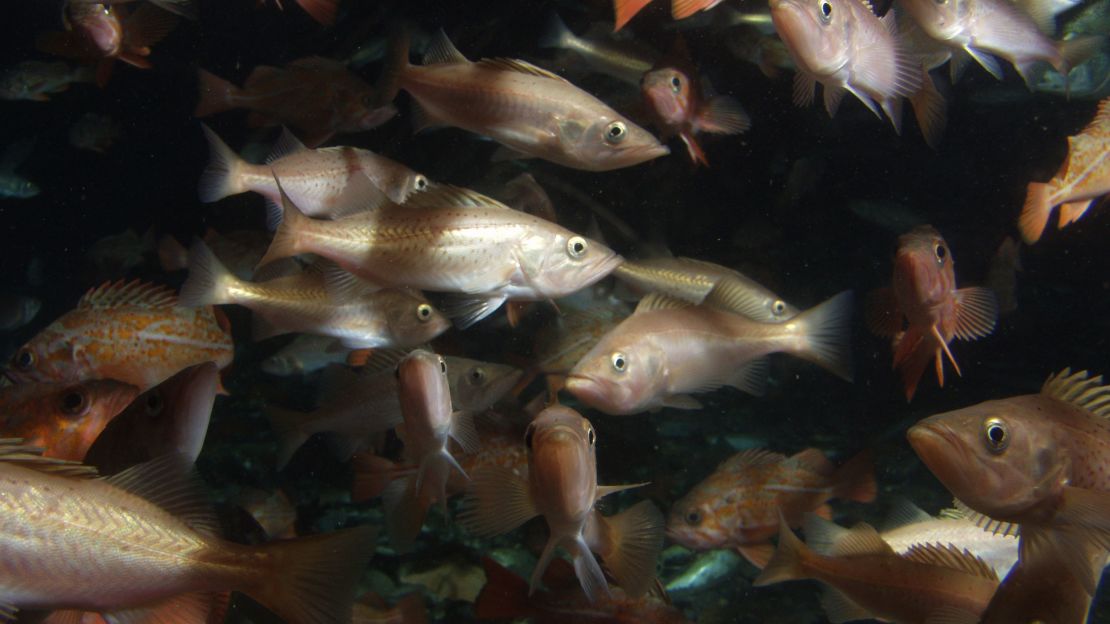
976, 312
637, 535
497, 501
170, 483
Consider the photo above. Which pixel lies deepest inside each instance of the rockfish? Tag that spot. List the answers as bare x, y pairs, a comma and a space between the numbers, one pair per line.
63, 419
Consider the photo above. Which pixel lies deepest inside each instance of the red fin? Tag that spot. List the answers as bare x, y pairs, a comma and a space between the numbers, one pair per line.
757, 554
516, 310
881, 312
722, 115
359, 357
681, 9
696, 153
1035, 212
504, 596
976, 312
625, 10
221, 603
323, 11
912, 354
855, 479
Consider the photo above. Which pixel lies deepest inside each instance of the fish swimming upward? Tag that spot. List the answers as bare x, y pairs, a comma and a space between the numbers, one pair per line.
1084, 177
523, 107
924, 310
132, 332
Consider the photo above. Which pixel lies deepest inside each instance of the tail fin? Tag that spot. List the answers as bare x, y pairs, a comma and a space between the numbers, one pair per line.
405, 511
323, 11
625, 10
216, 94
556, 34
1035, 212
1078, 50
209, 281
287, 427
855, 480
221, 177
637, 534
396, 62
697, 154
504, 596
827, 330
913, 351
786, 564
285, 243
314, 580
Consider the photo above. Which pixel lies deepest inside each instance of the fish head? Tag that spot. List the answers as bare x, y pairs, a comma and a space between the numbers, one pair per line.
816, 32
562, 465
667, 92
998, 457
924, 271
425, 395
49, 356
411, 319
700, 519
606, 141
943, 20
63, 418
173, 416
557, 262
100, 26
622, 374
282, 365
476, 386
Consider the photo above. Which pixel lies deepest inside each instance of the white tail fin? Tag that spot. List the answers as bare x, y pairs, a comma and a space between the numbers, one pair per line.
209, 281
221, 177
828, 332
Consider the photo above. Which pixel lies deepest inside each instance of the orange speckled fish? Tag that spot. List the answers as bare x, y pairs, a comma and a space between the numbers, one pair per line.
132, 332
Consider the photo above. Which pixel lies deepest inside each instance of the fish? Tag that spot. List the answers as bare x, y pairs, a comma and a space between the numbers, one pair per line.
692, 280
116, 255
561, 485
506, 596
306, 354
670, 349
36, 81
1042, 591
626, 61
523, 107
739, 505
673, 95
317, 180
12, 184
96, 133
1034, 460
17, 311
182, 8
169, 419
1002, 275
1083, 178
142, 544
452, 240
866, 579
907, 525
523, 193
708, 569
62, 418
361, 317
625, 10
273, 512
765, 51
924, 310
315, 96
134, 332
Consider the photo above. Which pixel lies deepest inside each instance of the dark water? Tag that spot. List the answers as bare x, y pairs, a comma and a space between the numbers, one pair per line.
804, 243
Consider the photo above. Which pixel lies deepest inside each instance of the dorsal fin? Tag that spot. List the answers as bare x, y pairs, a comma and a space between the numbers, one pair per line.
286, 144
171, 483
829, 539
904, 513
133, 293
750, 459
1080, 390
813, 460
733, 295
988, 524
441, 50
13, 451
520, 67
1101, 122
950, 557
659, 301
443, 195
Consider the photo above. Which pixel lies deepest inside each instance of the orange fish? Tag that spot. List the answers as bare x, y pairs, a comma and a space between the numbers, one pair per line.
923, 310
738, 506
625, 10
1083, 178
132, 332
62, 418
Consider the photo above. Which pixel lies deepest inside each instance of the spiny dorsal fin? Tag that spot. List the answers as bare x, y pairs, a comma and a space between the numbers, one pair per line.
520, 67
444, 195
867, 3
133, 293
750, 459
171, 483
13, 451
659, 301
1101, 123
988, 524
949, 556
1080, 390
441, 50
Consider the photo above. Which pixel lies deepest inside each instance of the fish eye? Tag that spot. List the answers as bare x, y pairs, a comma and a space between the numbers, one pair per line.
620, 363
477, 376
996, 435
25, 359
615, 132
778, 308
420, 183
591, 436
941, 252
676, 84
424, 312
154, 404
693, 517
74, 401
443, 366
577, 246
528, 437
826, 11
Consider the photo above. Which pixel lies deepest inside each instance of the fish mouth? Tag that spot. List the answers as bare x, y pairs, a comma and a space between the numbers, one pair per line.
933, 442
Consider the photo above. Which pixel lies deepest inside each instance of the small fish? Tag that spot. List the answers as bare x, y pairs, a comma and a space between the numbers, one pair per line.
36, 81
306, 354
171, 418
740, 504
765, 51
521, 106
561, 485
866, 579
1002, 275
96, 133
143, 545
1084, 177
132, 332
709, 568
317, 180
13, 185
924, 310
627, 61
669, 349
115, 255
1035, 460
62, 418
360, 317
625, 10
674, 96
907, 525
316, 96
506, 596
451, 240
523, 193
17, 311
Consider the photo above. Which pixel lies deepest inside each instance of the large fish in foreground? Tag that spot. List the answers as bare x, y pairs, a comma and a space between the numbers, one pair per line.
523, 107
1084, 177
451, 240
142, 546
924, 310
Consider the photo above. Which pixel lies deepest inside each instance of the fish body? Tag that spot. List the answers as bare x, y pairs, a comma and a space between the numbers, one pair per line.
36, 81
105, 545
105, 32
452, 240
132, 332
521, 106
669, 349
306, 354
627, 63
739, 505
561, 485
62, 418
924, 310
911, 526
1084, 177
